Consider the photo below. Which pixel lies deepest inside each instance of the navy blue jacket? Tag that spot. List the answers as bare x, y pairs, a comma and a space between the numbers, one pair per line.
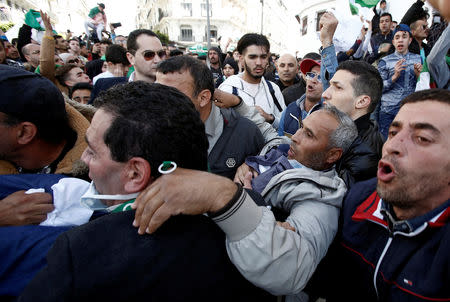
411, 259
106, 260
240, 138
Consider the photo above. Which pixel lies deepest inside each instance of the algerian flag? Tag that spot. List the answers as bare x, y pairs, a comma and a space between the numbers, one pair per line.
354, 4
34, 20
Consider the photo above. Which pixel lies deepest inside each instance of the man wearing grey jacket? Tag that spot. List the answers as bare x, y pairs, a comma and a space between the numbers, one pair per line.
266, 251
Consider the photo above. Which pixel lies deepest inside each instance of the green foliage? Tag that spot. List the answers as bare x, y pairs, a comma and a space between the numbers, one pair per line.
6, 26
163, 37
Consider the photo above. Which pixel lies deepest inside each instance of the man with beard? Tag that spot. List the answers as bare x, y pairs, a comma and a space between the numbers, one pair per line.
251, 85
394, 244
215, 65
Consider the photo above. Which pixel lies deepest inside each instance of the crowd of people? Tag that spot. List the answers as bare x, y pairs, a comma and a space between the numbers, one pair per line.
134, 170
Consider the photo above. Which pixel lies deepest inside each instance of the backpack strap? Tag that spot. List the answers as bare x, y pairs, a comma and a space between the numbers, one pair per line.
272, 93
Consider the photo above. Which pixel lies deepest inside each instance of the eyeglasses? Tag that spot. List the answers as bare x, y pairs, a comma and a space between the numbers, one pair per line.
35, 52
73, 61
312, 75
425, 26
150, 54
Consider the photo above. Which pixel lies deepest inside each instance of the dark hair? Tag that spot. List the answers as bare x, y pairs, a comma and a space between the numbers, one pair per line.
80, 86
106, 41
252, 39
437, 94
116, 54
386, 14
232, 63
313, 55
94, 68
367, 80
57, 37
154, 122
62, 73
175, 52
74, 39
132, 37
202, 76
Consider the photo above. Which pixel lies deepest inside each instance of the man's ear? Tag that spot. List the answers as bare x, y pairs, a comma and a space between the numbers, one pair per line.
363, 101
26, 132
130, 58
333, 155
204, 97
137, 175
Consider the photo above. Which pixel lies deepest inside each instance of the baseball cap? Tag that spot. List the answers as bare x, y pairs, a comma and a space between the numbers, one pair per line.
307, 64
402, 27
30, 97
101, 5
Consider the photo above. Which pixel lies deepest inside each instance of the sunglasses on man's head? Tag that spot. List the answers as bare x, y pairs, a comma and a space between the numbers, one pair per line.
73, 61
312, 75
150, 54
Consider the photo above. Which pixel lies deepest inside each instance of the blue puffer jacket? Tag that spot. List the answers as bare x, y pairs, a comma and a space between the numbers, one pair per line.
394, 92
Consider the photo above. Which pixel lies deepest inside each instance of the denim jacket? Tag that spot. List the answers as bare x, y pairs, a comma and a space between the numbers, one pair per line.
394, 92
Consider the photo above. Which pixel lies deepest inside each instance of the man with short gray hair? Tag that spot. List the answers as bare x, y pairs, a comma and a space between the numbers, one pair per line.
303, 184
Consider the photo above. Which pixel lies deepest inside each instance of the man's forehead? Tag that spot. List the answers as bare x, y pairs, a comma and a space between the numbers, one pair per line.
146, 42
320, 122
427, 112
256, 49
343, 77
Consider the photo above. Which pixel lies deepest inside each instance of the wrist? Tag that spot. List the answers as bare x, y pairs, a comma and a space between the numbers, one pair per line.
229, 195
327, 43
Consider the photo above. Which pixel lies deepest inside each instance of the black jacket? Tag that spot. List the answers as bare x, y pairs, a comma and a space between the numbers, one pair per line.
360, 162
240, 138
106, 260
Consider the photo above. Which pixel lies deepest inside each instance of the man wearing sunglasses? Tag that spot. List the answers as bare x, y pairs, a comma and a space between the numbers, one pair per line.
292, 117
145, 51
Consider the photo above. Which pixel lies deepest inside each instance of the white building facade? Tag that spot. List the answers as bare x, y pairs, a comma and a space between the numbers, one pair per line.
184, 21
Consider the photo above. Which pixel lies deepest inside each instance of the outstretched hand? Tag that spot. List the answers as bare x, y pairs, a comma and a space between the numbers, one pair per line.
47, 23
183, 191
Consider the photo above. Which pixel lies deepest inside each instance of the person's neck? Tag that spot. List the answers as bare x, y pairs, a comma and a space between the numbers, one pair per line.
38, 155
215, 65
140, 77
357, 113
423, 206
420, 41
74, 53
250, 79
309, 104
287, 83
205, 112
386, 33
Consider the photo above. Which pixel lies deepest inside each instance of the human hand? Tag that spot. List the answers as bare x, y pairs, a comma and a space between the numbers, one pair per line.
183, 191
241, 173
398, 68
268, 117
286, 225
248, 181
327, 24
47, 24
224, 99
417, 69
22, 209
384, 47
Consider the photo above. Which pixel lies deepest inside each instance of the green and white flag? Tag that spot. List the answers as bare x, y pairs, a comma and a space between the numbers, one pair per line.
34, 20
354, 5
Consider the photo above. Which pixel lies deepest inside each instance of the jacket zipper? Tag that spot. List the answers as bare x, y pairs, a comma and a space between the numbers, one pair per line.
379, 263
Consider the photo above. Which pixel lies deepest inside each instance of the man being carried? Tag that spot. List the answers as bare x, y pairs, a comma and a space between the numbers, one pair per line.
96, 20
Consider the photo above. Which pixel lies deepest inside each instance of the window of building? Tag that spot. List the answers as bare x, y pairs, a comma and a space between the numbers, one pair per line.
186, 33
304, 25
319, 15
212, 32
203, 9
187, 9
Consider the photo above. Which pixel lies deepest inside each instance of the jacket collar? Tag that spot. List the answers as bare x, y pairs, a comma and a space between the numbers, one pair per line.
375, 210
